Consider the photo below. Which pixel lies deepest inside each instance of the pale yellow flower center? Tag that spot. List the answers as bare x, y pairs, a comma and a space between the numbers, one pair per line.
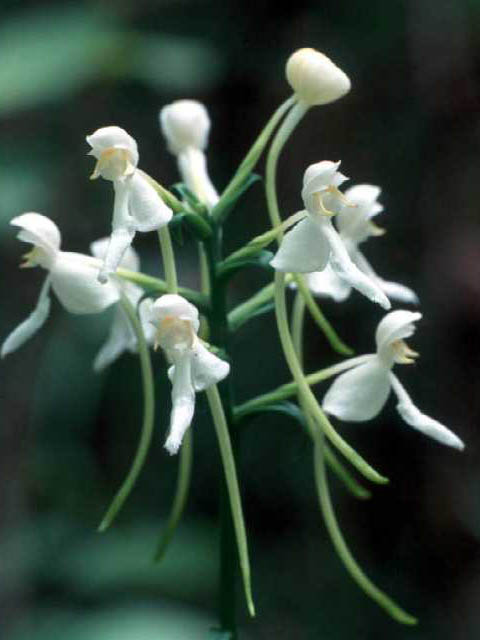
402, 352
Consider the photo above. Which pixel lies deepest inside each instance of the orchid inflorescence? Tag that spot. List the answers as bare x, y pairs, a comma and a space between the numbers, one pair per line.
318, 255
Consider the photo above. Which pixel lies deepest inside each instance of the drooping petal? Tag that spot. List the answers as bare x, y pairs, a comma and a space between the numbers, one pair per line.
392, 290
328, 284
345, 268
183, 400
207, 368
147, 210
121, 338
145, 315
39, 231
74, 282
418, 420
359, 394
303, 249
192, 165
118, 245
25, 330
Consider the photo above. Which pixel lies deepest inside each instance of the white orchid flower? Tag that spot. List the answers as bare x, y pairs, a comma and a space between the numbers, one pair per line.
355, 226
314, 243
185, 125
122, 337
360, 393
70, 275
137, 206
194, 368
315, 78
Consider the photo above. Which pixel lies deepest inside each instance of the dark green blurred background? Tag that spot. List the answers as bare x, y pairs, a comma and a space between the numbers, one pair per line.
410, 124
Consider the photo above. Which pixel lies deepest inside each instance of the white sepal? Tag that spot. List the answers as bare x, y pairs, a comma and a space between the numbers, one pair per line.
183, 401
327, 283
40, 231
148, 211
25, 330
397, 325
172, 305
392, 290
359, 394
346, 269
207, 368
113, 137
73, 280
304, 249
130, 260
418, 420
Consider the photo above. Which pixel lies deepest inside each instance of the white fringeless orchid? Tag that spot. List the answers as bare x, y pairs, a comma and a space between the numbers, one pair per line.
194, 368
70, 275
355, 225
137, 206
185, 125
360, 394
314, 243
122, 336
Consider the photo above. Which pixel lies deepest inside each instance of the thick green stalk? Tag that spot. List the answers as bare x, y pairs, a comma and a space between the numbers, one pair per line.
148, 419
281, 137
303, 388
251, 159
341, 548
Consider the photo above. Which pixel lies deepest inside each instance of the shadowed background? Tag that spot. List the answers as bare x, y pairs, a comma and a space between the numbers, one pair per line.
410, 125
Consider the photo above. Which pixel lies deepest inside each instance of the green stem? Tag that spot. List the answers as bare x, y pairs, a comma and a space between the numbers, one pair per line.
298, 316
168, 258
181, 495
148, 419
291, 388
335, 341
282, 135
341, 548
160, 286
250, 160
226, 452
303, 388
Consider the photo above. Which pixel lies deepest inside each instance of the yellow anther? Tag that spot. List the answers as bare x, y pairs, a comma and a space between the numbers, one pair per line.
30, 258
403, 353
114, 161
375, 230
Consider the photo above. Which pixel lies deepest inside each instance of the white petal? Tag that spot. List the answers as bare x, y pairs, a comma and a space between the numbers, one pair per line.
116, 137
391, 289
359, 394
39, 231
396, 325
121, 338
173, 305
145, 315
147, 210
192, 165
207, 368
31, 325
185, 123
183, 400
303, 249
343, 265
327, 283
74, 282
130, 260
118, 245
418, 420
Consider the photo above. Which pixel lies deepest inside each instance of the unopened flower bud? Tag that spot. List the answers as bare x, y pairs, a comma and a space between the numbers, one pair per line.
315, 78
185, 123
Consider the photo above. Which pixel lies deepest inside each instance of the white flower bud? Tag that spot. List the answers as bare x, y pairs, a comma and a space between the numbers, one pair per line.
315, 78
185, 123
